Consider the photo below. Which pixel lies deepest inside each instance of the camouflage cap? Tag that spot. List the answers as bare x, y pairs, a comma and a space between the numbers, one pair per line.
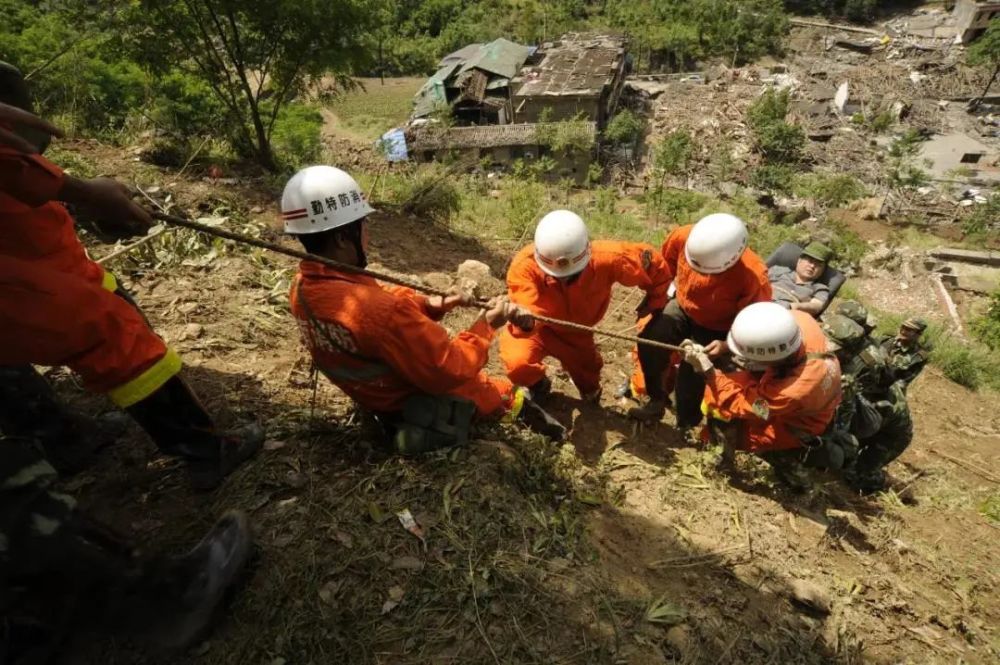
843, 331
915, 323
818, 251
856, 312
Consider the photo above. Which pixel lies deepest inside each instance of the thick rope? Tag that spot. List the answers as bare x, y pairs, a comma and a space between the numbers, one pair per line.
416, 286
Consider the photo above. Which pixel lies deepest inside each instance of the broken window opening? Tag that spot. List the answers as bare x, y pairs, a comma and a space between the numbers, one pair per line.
972, 157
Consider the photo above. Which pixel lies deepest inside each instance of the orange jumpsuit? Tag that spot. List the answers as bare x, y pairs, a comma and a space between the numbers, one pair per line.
381, 345
709, 301
713, 301
777, 408
584, 300
57, 307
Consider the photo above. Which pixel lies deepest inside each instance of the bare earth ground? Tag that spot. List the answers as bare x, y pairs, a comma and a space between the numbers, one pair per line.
624, 547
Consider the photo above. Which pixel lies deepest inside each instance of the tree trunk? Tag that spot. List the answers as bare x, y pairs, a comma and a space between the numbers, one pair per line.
381, 60
993, 79
265, 156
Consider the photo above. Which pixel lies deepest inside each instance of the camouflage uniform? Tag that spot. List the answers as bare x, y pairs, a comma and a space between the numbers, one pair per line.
881, 380
907, 360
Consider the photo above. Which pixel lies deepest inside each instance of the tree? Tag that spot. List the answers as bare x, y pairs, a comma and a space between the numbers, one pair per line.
256, 55
986, 51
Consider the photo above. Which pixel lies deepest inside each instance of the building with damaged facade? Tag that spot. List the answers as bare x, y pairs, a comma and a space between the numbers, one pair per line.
495, 94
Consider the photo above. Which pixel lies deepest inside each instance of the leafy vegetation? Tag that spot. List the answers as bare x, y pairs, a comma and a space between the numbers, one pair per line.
986, 327
904, 171
829, 189
775, 139
624, 129
986, 51
984, 220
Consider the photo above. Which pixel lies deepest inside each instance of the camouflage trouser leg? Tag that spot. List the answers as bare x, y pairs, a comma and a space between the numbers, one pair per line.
789, 468
29, 408
878, 451
33, 516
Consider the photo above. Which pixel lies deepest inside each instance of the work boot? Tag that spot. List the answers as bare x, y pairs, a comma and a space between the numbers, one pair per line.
177, 598
179, 425
865, 483
539, 421
541, 390
651, 412
592, 397
30, 408
87, 577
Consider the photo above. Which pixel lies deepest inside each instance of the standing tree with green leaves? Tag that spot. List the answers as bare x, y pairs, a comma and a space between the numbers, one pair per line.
257, 55
986, 51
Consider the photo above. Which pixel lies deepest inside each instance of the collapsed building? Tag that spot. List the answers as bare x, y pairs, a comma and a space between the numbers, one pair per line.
494, 95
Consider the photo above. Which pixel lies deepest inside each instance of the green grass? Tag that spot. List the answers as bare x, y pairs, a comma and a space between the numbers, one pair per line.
373, 108
990, 507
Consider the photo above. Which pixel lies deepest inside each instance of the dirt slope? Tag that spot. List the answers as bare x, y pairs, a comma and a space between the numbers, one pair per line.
625, 547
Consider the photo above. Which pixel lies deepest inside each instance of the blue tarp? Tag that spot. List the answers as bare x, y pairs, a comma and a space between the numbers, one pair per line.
393, 145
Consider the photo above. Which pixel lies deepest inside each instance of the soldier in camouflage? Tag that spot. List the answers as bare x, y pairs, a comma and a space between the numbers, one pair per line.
907, 354
881, 421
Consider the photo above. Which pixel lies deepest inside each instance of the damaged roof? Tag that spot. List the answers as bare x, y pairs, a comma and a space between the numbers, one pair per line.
576, 65
488, 136
497, 62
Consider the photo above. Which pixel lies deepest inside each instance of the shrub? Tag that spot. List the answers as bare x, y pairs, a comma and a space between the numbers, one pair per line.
773, 178
990, 507
903, 169
983, 220
676, 205
781, 142
986, 328
624, 129
296, 136
672, 154
830, 189
769, 108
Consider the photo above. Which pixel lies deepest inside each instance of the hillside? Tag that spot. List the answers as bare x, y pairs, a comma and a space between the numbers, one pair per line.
623, 546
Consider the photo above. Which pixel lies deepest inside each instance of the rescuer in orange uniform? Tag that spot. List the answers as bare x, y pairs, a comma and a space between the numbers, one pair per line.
564, 275
715, 276
383, 346
787, 393
61, 570
57, 307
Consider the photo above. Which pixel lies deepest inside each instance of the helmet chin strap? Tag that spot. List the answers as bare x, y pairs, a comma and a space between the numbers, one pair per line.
356, 233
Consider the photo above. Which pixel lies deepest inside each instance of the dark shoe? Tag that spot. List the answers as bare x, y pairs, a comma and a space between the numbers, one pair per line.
236, 448
183, 593
592, 397
865, 483
538, 420
651, 412
794, 477
541, 389
179, 425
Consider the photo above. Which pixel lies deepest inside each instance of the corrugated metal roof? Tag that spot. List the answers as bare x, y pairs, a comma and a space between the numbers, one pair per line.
500, 57
489, 136
432, 95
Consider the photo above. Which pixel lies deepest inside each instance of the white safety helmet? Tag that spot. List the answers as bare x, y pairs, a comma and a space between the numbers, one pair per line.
716, 243
320, 198
764, 332
562, 244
